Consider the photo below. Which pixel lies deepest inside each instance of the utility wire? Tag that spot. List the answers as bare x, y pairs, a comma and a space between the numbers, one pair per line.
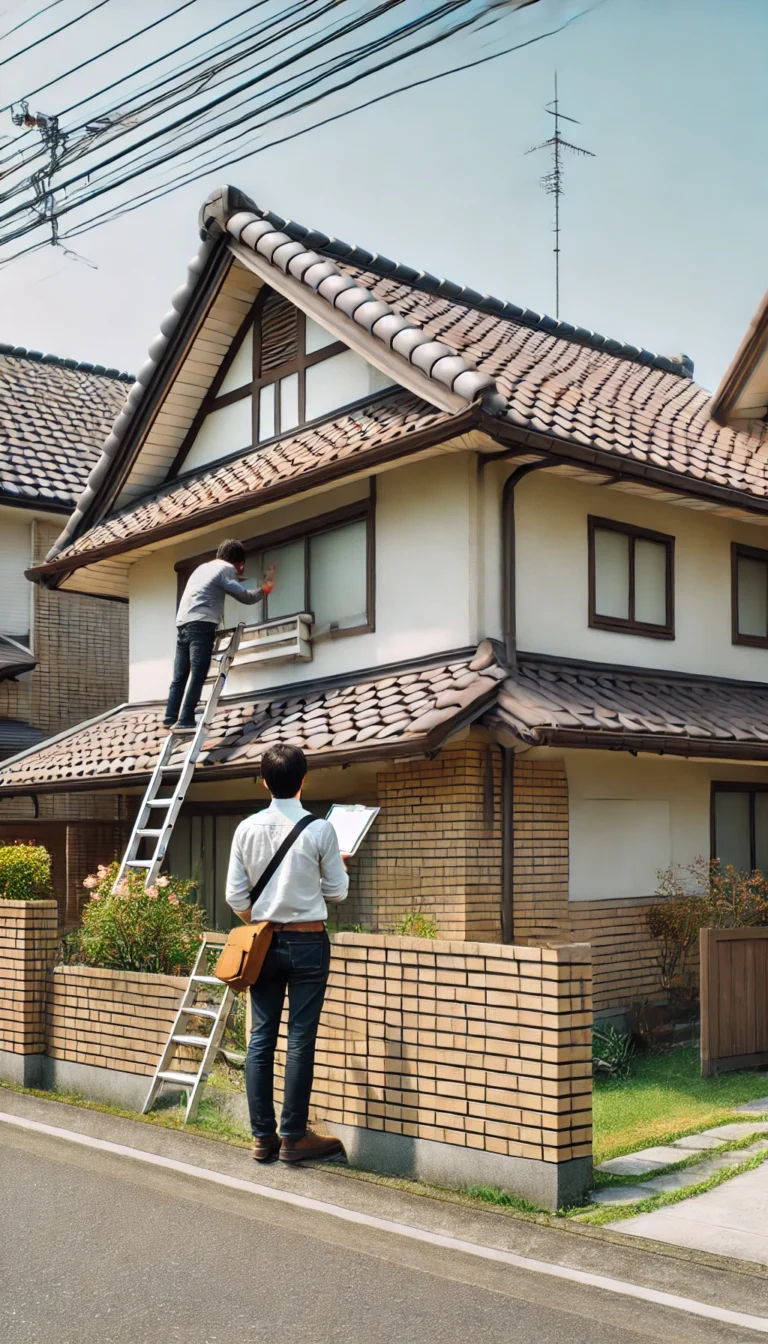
44, 10
107, 52
54, 33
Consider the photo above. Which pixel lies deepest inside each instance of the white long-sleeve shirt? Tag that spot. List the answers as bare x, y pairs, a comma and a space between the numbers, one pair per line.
311, 873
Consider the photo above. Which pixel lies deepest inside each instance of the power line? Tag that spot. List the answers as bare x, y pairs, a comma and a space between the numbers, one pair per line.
31, 17
552, 182
54, 33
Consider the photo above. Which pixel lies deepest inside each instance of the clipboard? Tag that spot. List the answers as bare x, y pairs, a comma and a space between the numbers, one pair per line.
351, 822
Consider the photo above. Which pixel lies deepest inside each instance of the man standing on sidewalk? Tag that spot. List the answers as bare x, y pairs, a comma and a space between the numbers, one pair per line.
311, 873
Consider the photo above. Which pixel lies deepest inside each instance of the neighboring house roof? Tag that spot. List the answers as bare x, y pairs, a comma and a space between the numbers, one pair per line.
551, 701
743, 392
14, 658
405, 711
526, 378
15, 736
54, 416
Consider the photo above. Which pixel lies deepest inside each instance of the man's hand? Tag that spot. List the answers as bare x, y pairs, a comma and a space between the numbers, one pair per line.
245, 915
268, 581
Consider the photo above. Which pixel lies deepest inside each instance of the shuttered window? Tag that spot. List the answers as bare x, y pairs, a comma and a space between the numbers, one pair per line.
279, 333
15, 589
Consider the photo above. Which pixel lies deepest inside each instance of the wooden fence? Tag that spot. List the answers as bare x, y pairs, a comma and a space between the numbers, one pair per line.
734, 999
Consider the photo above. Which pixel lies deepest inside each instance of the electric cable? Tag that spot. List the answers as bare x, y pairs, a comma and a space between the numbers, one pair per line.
30, 18
54, 32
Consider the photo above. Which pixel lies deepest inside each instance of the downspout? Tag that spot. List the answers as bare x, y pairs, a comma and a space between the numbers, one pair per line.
509, 627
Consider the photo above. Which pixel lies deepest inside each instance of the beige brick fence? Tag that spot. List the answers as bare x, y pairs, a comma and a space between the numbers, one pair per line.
461, 1063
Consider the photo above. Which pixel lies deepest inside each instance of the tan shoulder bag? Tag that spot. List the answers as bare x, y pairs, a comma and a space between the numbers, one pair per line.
242, 956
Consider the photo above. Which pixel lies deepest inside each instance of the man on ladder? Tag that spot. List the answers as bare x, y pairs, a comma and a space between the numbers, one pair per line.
200, 613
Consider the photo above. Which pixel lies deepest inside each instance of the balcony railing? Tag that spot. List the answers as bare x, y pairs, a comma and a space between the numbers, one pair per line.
286, 639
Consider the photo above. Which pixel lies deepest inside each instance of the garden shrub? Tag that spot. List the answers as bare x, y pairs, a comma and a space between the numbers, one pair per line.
25, 873
700, 895
156, 929
416, 925
612, 1051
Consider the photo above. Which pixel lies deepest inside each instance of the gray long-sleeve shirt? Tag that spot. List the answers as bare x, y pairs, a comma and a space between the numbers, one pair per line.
207, 587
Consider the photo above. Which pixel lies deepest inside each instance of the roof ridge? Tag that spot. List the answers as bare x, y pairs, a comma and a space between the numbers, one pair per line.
682, 365
78, 366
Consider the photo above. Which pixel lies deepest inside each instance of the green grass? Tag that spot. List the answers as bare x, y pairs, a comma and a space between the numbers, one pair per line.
666, 1098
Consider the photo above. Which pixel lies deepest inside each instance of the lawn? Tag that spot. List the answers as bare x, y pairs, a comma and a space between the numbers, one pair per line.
664, 1098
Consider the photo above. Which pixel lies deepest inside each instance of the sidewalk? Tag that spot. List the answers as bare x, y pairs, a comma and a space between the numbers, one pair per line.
679, 1285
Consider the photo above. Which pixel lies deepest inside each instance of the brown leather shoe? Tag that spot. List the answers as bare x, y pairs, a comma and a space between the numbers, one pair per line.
266, 1149
312, 1148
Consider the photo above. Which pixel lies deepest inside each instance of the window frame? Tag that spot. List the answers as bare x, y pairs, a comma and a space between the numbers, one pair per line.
734, 786
363, 510
738, 552
629, 625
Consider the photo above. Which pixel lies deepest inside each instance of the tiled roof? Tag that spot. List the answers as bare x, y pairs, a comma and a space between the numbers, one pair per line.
401, 713
525, 373
561, 703
395, 417
54, 416
15, 735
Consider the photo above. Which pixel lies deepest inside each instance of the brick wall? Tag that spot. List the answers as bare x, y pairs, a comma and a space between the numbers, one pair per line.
436, 845
28, 931
469, 1044
626, 969
112, 1019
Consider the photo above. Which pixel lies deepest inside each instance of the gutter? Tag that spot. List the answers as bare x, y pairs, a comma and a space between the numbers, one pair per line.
508, 592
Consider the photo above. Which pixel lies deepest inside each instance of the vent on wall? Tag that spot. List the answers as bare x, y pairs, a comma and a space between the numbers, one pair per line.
279, 333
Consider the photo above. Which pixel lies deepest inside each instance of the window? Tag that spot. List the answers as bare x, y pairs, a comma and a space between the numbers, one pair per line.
740, 826
631, 579
749, 596
15, 591
324, 567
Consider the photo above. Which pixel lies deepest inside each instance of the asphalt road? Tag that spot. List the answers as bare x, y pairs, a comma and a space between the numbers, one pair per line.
96, 1249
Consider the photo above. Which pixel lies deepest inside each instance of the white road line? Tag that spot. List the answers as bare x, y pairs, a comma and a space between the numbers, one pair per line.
712, 1313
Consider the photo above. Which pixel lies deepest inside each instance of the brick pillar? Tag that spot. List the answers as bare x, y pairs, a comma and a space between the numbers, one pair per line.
28, 933
540, 828
436, 846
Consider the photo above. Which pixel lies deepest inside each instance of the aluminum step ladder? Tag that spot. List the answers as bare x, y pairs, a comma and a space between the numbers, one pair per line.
217, 1012
158, 812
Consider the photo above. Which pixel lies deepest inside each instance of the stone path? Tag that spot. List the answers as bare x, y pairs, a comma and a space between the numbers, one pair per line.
731, 1220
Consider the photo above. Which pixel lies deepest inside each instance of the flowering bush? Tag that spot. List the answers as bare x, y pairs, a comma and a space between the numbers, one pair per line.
25, 873
138, 928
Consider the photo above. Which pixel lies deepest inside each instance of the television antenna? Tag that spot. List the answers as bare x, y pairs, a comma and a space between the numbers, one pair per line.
552, 182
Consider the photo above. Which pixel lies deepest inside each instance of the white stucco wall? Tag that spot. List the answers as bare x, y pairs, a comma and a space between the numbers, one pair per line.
551, 580
426, 576
630, 816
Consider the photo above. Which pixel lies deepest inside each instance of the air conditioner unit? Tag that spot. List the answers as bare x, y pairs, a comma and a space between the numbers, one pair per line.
282, 640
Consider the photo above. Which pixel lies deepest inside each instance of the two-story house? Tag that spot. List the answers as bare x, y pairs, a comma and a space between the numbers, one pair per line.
522, 595
63, 656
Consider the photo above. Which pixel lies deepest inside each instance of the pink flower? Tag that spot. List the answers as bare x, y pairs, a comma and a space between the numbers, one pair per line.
101, 872
152, 893
122, 890
95, 896
91, 882
162, 882
174, 900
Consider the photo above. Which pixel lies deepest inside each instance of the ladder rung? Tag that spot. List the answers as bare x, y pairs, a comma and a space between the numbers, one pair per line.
206, 980
170, 1077
153, 833
200, 1012
139, 863
190, 1040
158, 802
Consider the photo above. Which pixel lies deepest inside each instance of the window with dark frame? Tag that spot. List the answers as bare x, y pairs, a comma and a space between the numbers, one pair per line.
631, 579
749, 596
325, 567
740, 826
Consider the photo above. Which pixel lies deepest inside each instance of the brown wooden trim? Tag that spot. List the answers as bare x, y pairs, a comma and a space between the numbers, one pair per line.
739, 551
631, 626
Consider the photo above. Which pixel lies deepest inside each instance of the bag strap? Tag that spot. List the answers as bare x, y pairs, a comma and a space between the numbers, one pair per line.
279, 855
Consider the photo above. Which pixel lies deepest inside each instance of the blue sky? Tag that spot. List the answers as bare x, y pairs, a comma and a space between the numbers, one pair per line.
663, 232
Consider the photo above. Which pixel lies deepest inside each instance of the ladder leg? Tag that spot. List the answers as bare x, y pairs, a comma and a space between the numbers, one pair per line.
209, 1055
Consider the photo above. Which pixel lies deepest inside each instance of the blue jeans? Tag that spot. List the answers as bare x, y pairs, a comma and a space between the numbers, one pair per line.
194, 648
299, 962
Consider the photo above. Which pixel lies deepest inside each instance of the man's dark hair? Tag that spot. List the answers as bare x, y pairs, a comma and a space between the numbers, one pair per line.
231, 550
283, 768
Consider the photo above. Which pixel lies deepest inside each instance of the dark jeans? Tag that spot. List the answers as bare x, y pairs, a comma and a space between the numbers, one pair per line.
301, 962
194, 647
